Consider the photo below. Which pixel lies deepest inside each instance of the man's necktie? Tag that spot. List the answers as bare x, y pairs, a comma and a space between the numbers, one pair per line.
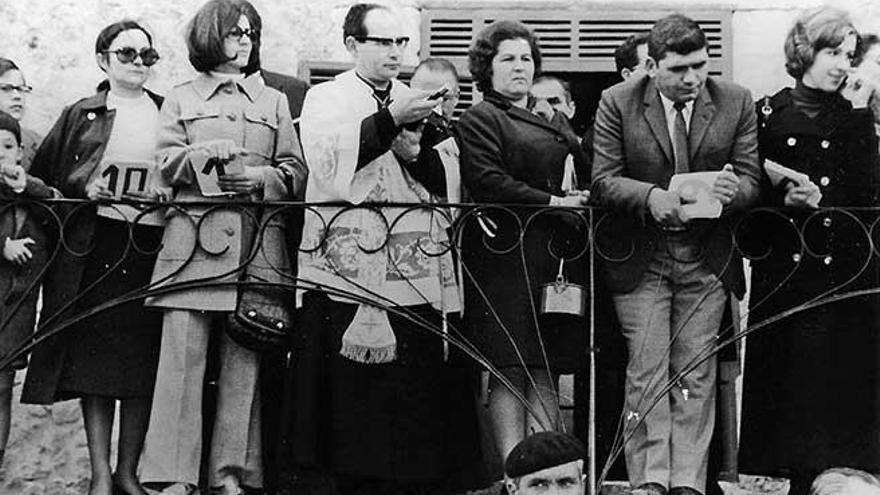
680, 141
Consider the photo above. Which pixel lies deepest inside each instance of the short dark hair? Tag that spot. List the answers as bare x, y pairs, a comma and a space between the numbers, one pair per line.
824, 27
207, 31
675, 33
106, 37
354, 20
7, 65
566, 88
626, 56
8, 123
438, 64
866, 42
485, 46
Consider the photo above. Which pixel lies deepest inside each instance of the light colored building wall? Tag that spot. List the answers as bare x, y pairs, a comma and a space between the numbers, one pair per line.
53, 42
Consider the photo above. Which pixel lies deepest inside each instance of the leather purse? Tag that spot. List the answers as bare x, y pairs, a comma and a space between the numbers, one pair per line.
263, 319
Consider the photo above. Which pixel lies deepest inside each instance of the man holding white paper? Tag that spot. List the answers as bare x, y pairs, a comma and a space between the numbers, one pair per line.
671, 282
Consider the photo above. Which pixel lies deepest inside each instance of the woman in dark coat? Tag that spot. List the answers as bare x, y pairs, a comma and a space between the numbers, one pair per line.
811, 382
112, 354
510, 155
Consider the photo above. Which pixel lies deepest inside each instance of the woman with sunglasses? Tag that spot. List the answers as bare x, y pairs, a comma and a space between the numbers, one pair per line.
226, 118
106, 254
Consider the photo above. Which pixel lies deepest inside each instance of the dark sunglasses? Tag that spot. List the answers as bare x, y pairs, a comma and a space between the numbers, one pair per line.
238, 32
126, 55
385, 42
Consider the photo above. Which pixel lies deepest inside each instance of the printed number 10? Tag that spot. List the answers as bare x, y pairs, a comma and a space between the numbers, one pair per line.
133, 176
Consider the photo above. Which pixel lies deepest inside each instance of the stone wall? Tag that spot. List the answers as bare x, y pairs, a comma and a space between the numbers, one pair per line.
52, 41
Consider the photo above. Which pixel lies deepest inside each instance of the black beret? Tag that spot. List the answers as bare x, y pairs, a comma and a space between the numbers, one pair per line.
541, 451
8, 123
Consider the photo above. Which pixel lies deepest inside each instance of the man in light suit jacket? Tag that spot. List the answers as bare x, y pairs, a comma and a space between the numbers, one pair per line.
670, 275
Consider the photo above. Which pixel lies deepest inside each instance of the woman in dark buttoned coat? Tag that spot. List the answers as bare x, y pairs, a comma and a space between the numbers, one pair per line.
811, 379
226, 113
110, 355
510, 155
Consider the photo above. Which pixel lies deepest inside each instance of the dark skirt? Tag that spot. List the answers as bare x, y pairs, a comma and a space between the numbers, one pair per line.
399, 422
114, 353
503, 293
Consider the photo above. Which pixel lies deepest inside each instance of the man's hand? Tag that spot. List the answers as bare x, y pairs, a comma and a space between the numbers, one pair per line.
726, 185
16, 250
406, 145
806, 196
665, 207
412, 107
248, 181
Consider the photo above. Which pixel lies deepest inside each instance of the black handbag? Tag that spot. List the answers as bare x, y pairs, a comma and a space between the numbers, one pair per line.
263, 319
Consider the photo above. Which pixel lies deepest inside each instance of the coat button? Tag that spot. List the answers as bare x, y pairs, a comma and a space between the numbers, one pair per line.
796, 257
264, 118
824, 181
231, 116
791, 141
90, 115
825, 144
827, 260
228, 89
560, 139
826, 222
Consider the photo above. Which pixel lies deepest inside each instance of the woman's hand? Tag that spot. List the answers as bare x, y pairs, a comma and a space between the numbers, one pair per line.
572, 199
98, 190
858, 89
16, 250
806, 196
249, 180
222, 149
152, 194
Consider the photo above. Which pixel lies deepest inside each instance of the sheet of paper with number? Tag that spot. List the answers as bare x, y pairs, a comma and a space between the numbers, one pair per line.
207, 170
126, 177
448, 151
695, 189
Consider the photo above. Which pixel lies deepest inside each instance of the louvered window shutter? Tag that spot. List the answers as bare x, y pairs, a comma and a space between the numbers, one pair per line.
572, 40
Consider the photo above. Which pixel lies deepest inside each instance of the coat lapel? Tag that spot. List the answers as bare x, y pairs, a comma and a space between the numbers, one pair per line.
704, 110
656, 118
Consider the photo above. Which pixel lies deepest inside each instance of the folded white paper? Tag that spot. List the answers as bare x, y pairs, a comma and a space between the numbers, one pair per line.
780, 174
207, 171
695, 189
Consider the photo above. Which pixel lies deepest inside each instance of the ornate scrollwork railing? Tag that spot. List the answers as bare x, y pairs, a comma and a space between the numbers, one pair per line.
847, 237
